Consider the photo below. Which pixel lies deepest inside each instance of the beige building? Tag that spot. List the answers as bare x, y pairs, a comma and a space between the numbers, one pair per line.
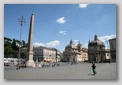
112, 43
84, 54
44, 54
74, 54
97, 51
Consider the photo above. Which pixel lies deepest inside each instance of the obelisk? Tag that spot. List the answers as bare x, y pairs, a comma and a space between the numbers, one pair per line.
29, 59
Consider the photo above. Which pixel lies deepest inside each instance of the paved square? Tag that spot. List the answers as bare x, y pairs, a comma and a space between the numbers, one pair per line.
67, 71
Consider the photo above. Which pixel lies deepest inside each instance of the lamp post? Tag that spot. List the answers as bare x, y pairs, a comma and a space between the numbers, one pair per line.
21, 22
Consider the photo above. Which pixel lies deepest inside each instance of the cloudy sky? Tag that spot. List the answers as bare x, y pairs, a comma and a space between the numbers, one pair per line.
56, 24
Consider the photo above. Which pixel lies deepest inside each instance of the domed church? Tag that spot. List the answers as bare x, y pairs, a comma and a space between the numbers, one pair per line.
73, 53
97, 51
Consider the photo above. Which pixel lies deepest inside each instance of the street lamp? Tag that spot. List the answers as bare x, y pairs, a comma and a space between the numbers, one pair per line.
21, 22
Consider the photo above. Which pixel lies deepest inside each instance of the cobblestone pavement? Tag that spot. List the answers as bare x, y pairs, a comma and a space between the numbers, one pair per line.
67, 71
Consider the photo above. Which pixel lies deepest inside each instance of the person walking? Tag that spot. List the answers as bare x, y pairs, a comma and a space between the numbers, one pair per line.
93, 68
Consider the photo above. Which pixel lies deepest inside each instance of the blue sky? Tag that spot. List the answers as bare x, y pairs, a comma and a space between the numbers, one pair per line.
56, 24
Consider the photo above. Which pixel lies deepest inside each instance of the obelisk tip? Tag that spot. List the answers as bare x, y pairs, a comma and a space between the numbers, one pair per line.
32, 11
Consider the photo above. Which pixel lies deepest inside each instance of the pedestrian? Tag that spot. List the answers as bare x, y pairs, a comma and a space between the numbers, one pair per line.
93, 68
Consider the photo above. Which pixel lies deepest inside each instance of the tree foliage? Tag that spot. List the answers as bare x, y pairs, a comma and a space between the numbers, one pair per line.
11, 47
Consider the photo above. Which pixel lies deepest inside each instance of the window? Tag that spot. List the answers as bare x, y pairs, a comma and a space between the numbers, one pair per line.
100, 47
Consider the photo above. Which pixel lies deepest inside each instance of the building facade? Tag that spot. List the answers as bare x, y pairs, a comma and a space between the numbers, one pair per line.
112, 43
84, 54
74, 54
97, 51
44, 54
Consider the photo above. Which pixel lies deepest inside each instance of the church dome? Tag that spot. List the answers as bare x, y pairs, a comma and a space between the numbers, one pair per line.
79, 44
71, 46
96, 42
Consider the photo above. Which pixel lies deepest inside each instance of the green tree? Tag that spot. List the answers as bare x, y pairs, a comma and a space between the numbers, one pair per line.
14, 46
7, 47
8, 51
18, 42
7, 41
11, 47
24, 43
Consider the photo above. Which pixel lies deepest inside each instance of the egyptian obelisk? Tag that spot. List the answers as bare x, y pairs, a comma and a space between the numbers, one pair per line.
29, 59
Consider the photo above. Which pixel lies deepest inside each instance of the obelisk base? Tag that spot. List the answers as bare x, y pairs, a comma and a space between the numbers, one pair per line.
30, 63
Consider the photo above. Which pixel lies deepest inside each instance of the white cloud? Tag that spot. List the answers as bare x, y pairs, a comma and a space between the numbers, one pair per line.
63, 49
48, 44
38, 44
62, 32
76, 41
107, 37
83, 5
53, 43
61, 20
85, 45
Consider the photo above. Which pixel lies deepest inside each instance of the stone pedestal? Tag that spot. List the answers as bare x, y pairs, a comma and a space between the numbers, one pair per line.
30, 63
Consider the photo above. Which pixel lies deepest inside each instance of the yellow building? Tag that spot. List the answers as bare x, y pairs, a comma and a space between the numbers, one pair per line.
84, 54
